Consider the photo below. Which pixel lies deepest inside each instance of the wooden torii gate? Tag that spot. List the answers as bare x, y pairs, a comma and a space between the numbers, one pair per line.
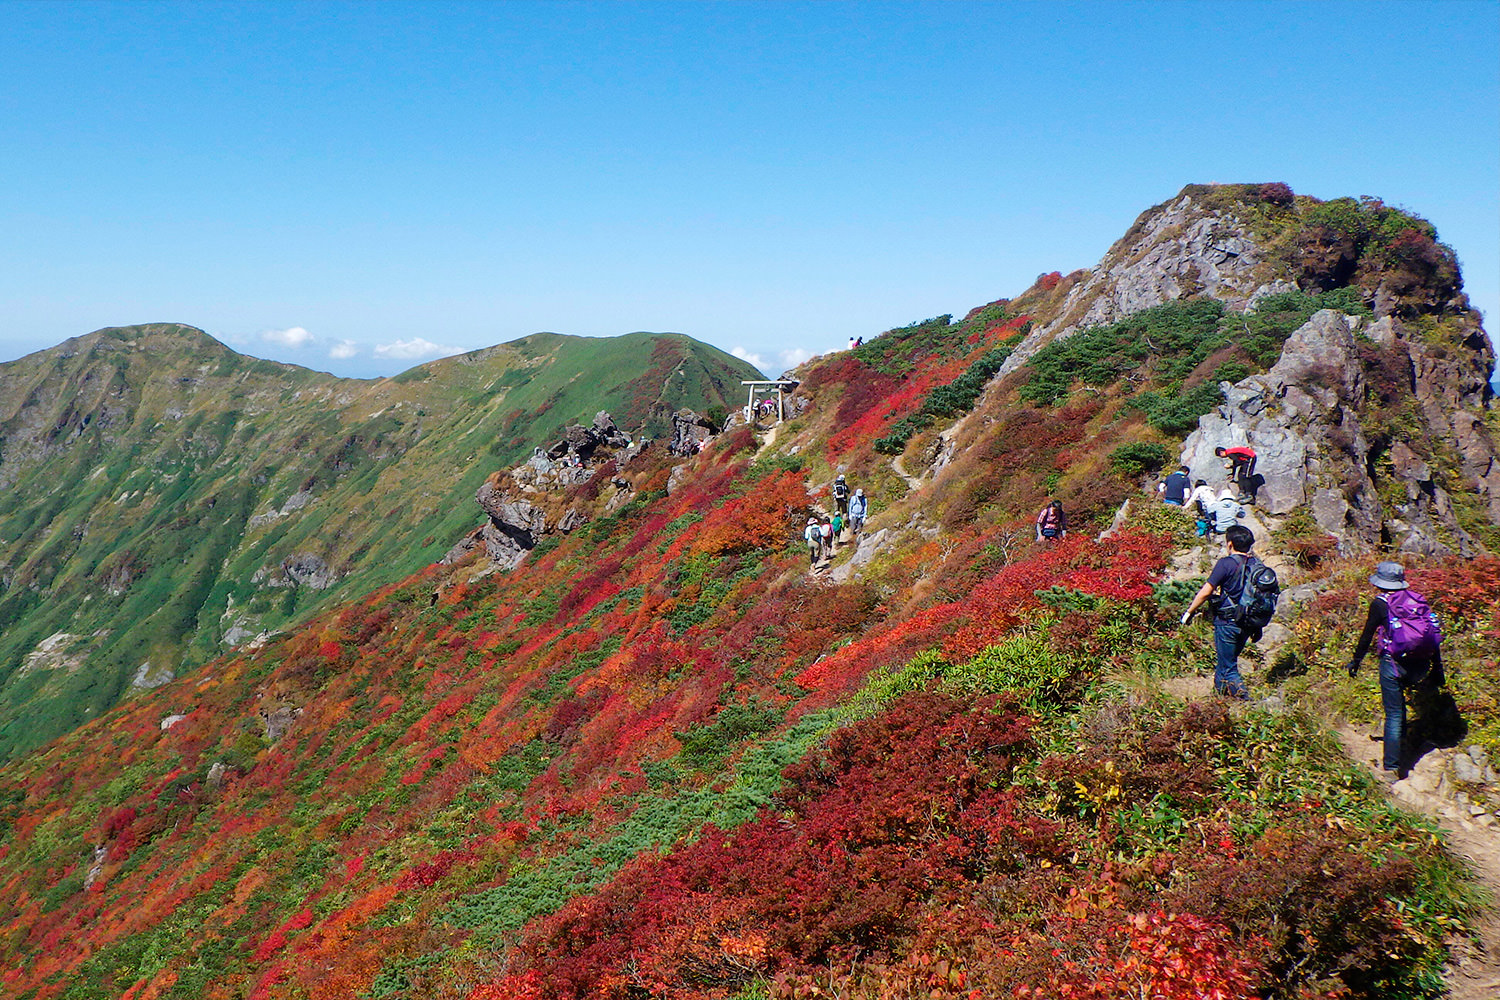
782, 386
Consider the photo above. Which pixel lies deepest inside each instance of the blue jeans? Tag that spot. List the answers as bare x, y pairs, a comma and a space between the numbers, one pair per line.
1229, 640
1393, 700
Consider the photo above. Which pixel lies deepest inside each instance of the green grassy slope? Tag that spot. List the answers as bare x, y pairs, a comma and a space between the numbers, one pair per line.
157, 482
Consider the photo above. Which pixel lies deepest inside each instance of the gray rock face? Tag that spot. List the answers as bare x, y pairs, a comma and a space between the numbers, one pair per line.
689, 432
514, 525
1303, 418
1172, 252
304, 569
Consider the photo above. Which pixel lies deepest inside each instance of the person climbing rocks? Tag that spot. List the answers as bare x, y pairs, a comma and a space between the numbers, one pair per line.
1225, 512
1408, 639
858, 507
814, 535
1051, 522
1202, 498
1174, 488
841, 494
1240, 461
1227, 579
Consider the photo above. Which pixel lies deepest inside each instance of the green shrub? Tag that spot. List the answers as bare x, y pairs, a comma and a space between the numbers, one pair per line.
1137, 457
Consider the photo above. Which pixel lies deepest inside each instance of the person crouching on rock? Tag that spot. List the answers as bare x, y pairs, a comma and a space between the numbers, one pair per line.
1409, 650
1174, 488
1228, 579
1240, 461
1225, 513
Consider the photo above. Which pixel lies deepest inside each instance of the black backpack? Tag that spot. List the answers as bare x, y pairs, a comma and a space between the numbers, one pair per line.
1259, 592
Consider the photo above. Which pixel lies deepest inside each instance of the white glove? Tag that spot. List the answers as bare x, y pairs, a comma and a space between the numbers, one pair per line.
1186, 617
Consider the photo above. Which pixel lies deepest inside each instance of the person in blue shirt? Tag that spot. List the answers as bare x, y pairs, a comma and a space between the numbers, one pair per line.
1174, 489
1228, 580
858, 507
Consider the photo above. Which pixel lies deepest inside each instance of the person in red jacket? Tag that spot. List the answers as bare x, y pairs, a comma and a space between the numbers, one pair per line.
1240, 460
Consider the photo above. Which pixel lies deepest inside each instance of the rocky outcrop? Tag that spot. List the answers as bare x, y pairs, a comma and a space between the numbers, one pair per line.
1320, 442
690, 432
522, 504
1174, 251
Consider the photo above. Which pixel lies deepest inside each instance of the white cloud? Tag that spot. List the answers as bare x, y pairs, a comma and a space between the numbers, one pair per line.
343, 350
794, 356
750, 356
416, 347
292, 336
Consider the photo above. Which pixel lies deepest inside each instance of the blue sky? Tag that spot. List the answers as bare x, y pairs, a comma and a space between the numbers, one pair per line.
355, 187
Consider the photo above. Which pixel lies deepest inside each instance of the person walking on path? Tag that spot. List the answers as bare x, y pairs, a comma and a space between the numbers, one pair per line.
814, 536
1225, 512
1240, 461
840, 495
1051, 522
858, 507
828, 543
1228, 580
1174, 488
838, 527
1408, 643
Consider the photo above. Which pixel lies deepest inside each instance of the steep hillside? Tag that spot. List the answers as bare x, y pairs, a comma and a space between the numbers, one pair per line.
168, 498
660, 756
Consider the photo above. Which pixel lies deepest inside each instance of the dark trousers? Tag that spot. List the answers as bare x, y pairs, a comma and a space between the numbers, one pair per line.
1393, 700
1229, 641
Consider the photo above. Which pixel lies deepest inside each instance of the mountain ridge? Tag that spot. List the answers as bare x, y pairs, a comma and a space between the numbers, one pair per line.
212, 494
663, 756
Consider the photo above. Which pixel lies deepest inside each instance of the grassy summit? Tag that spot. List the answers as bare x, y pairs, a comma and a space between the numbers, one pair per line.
163, 490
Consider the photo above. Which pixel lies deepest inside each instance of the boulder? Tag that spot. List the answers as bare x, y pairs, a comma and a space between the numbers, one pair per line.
690, 431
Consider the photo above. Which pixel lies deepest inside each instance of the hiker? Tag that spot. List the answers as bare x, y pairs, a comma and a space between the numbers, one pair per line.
1228, 579
814, 536
852, 344
1409, 651
1200, 500
1224, 513
1174, 489
1240, 461
841, 494
827, 539
838, 527
858, 506
1051, 522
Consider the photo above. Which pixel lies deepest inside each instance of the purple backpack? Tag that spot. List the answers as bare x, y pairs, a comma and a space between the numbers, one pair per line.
1412, 630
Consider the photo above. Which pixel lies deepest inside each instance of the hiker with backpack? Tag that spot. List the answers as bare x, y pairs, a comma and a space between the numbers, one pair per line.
814, 535
841, 495
1174, 488
1247, 594
828, 543
1051, 523
858, 507
1409, 640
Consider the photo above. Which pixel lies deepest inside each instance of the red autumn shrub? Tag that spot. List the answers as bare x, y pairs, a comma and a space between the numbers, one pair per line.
1312, 904
899, 804
765, 517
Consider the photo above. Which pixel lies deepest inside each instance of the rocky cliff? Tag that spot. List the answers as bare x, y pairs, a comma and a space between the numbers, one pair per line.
1379, 421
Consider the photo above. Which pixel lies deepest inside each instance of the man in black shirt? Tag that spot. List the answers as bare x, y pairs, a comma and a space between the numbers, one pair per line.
1422, 673
1228, 578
